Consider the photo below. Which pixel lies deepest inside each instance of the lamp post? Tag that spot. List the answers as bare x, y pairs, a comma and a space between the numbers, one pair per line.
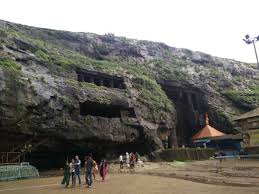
249, 40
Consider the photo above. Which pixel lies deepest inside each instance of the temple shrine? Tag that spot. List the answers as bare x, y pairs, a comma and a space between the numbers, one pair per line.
213, 138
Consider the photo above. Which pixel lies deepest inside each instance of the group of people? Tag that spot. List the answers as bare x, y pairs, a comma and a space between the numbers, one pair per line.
130, 159
72, 170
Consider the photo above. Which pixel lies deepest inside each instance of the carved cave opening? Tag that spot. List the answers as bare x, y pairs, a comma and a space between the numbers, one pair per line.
56, 150
105, 110
100, 79
190, 109
54, 154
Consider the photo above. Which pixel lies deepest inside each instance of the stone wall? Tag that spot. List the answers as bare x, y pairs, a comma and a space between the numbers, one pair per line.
183, 154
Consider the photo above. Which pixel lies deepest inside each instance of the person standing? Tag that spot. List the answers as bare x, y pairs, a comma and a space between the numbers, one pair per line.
132, 160
137, 156
88, 171
77, 169
65, 180
95, 168
127, 159
103, 169
72, 172
121, 161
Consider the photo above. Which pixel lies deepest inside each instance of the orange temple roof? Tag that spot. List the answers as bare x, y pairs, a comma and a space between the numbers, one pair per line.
207, 131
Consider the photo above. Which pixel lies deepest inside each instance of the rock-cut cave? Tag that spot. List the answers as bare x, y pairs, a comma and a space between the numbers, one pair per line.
105, 110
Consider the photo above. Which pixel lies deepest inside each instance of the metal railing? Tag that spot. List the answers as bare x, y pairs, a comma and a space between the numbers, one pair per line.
10, 157
238, 161
18, 153
19, 147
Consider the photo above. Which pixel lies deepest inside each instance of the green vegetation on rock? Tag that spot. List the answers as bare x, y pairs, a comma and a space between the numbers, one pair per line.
9, 64
151, 94
42, 55
142, 62
249, 96
12, 68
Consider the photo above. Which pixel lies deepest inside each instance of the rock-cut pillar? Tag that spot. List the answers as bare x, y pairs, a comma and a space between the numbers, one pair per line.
172, 140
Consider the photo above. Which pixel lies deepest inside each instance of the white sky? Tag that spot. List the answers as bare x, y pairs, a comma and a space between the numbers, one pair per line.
216, 27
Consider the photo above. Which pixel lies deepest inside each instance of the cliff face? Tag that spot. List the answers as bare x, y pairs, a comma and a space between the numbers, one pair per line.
111, 94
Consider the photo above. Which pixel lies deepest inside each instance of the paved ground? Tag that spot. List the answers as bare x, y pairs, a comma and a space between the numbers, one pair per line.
122, 184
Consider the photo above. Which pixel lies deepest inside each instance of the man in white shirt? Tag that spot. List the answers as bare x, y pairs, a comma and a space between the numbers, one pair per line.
121, 162
127, 159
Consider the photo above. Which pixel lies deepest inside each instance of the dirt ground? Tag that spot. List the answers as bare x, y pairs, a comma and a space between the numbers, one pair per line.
229, 172
121, 184
211, 176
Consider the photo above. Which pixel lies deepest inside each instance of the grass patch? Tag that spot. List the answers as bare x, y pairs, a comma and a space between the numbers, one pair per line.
151, 94
249, 96
9, 64
42, 56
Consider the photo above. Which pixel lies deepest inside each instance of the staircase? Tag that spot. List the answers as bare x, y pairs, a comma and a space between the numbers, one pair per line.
17, 154
6, 157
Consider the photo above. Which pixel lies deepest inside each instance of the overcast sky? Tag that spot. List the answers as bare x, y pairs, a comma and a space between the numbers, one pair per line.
216, 27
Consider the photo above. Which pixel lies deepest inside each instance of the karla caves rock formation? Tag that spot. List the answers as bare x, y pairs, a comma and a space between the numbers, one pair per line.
73, 92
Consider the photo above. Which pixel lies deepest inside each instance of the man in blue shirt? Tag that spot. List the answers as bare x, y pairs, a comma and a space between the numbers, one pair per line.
77, 168
89, 165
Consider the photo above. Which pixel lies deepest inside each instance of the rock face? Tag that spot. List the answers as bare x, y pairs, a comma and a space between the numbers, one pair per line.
104, 94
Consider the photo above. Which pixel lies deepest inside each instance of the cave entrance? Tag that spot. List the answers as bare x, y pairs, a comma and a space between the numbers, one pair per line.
105, 110
54, 154
189, 109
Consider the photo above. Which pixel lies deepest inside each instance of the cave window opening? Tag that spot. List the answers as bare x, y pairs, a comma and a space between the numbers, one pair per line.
100, 79
87, 79
96, 109
80, 78
122, 86
104, 110
128, 113
131, 113
106, 83
116, 84
97, 81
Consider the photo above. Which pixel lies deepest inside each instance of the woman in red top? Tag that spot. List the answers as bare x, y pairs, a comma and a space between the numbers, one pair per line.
103, 169
132, 160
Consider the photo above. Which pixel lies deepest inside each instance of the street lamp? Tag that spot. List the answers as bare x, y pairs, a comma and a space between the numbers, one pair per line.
249, 40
